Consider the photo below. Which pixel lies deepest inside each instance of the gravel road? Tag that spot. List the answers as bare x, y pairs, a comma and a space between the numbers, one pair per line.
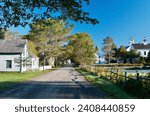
64, 83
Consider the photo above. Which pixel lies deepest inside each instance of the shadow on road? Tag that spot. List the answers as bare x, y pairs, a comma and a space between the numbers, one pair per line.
51, 90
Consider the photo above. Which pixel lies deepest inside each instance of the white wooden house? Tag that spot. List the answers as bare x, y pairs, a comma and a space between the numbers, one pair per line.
100, 58
14, 50
142, 48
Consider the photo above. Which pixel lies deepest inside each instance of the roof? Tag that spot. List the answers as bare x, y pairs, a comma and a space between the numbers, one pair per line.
126, 47
12, 46
141, 46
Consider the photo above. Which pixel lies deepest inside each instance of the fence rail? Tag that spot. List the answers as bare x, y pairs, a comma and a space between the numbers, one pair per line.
115, 74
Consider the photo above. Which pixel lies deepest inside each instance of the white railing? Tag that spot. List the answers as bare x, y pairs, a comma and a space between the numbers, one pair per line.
45, 67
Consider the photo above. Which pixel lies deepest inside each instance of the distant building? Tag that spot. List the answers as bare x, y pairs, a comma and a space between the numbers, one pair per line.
142, 48
100, 59
15, 56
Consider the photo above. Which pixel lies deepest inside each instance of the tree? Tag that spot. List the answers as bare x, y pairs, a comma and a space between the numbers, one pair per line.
96, 49
132, 54
81, 49
121, 53
23, 62
109, 49
49, 37
20, 12
148, 58
32, 48
11, 35
1, 34
7, 34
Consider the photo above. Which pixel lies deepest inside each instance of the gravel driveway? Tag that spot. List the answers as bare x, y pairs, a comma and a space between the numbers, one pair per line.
64, 83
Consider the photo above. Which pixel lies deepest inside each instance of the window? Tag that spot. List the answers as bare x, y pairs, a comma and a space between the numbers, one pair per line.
8, 63
145, 53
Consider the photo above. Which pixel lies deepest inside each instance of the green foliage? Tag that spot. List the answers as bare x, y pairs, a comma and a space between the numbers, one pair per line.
49, 37
1, 34
19, 12
32, 48
10, 79
81, 49
136, 87
111, 90
143, 88
132, 54
148, 58
7, 34
121, 52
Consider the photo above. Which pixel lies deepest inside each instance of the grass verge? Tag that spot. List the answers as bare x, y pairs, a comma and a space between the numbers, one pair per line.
112, 90
10, 79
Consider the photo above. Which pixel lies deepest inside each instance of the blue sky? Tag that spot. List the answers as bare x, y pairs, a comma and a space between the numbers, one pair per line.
120, 19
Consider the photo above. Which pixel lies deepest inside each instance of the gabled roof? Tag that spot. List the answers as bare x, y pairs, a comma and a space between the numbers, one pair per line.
12, 46
141, 46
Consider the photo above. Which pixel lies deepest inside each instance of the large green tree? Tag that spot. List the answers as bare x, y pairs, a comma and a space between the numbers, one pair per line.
81, 49
121, 53
32, 48
49, 37
132, 54
109, 48
20, 12
148, 58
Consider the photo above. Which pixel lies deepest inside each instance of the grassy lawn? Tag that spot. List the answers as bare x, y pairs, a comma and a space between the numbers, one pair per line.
10, 79
112, 90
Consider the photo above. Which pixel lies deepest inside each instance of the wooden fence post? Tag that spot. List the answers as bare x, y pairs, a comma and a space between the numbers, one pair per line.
98, 72
137, 77
111, 73
95, 69
138, 80
117, 75
106, 72
125, 79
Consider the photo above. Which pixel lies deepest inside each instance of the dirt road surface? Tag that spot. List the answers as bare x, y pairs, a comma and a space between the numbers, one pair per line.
64, 83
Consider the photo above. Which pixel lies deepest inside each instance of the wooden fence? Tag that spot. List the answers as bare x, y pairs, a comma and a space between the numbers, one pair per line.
115, 75
125, 76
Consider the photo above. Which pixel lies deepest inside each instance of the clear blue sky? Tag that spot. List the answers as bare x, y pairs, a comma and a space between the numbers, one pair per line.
120, 19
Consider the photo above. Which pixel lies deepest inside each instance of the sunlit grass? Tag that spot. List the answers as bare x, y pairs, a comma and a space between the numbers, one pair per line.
10, 79
112, 90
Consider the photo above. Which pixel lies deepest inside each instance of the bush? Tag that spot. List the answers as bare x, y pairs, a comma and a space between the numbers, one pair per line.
133, 86
120, 81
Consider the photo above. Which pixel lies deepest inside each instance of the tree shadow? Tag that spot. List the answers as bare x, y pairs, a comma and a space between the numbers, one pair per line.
52, 90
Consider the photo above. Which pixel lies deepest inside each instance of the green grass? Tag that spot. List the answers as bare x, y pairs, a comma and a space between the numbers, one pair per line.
10, 79
112, 90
